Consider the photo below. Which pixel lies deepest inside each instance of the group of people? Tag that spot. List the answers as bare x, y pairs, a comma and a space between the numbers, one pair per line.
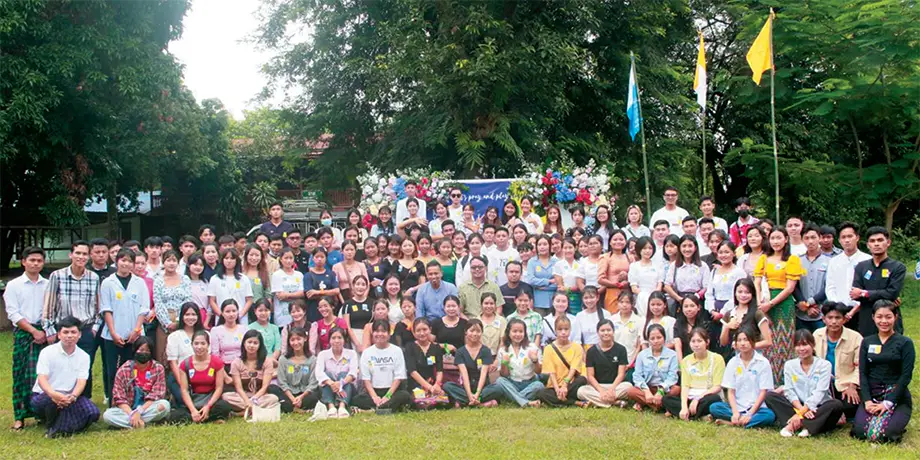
749, 324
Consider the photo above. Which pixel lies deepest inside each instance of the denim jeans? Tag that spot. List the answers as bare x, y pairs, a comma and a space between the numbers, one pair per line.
764, 416
520, 392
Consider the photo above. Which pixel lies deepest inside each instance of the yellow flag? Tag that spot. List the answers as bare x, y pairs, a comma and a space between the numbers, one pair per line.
699, 78
760, 56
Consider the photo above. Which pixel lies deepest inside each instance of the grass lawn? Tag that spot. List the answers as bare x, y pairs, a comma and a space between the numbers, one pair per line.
486, 433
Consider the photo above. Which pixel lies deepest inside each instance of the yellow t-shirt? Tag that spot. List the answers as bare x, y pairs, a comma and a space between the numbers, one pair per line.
574, 354
695, 374
778, 273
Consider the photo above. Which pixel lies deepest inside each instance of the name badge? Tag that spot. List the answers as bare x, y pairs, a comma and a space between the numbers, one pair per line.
133, 296
191, 373
211, 372
322, 332
539, 269
779, 266
413, 270
875, 349
795, 378
479, 364
290, 369
297, 280
739, 371
868, 275
354, 308
661, 364
284, 234
376, 269
430, 360
118, 295
257, 281
237, 284
885, 273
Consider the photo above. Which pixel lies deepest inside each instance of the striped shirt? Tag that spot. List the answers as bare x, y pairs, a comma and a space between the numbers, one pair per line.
68, 295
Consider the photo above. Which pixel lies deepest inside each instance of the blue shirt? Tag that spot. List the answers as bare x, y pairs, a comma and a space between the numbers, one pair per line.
125, 304
332, 257
540, 276
831, 348
429, 302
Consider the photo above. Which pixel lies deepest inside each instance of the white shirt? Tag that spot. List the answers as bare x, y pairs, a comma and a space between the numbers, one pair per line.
704, 246
839, 278
722, 287
455, 214
569, 273
231, 288
282, 282
586, 324
62, 370
798, 249
382, 366
178, 346
520, 366
628, 333
646, 278
747, 382
125, 304
497, 261
402, 212
549, 329
674, 218
25, 299
587, 270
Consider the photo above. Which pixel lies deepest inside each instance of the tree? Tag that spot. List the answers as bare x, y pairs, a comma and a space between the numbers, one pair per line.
81, 87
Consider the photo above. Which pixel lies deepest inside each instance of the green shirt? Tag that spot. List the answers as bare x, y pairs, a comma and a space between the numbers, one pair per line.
471, 298
271, 335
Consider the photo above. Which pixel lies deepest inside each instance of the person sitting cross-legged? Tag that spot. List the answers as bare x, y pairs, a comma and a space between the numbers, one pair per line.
138, 390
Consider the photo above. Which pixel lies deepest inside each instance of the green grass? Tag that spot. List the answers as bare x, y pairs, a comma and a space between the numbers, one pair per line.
486, 433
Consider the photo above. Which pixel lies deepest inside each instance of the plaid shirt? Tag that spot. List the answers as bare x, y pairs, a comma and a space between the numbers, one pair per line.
533, 321
123, 388
71, 296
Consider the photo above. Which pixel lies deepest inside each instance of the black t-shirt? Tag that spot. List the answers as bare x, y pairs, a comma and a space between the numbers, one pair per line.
427, 364
474, 365
449, 335
124, 280
408, 277
380, 270
302, 262
606, 364
509, 294
403, 335
359, 313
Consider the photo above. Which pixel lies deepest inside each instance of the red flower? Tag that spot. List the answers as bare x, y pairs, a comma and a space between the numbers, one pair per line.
368, 221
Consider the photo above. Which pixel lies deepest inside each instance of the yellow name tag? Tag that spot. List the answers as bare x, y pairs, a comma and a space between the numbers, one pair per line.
237, 284
211, 372
661, 364
297, 280
539, 269
739, 371
377, 269
290, 369
795, 378
479, 363
875, 349
118, 295
258, 281
885, 273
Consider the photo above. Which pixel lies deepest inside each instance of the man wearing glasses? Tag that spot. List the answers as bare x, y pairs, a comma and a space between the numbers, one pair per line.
471, 292
455, 209
670, 212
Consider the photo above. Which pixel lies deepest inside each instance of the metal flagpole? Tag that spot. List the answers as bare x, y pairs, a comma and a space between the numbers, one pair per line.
704, 149
773, 117
648, 193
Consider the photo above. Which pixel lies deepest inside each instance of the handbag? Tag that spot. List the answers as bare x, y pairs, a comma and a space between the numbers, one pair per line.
256, 414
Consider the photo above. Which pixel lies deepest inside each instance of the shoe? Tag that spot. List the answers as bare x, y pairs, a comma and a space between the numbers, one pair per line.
785, 433
804, 434
343, 413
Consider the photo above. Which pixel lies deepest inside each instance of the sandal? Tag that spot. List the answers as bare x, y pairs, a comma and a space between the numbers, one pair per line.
18, 425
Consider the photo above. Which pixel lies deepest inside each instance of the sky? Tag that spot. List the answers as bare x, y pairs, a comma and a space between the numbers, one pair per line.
218, 62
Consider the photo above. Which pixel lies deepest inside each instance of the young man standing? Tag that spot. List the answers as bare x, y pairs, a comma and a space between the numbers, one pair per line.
839, 278
448, 227
23, 298
276, 224
73, 291
326, 239
240, 242
301, 257
99, 258
402, 212
705, 227
510, 290
739, 228
876, 279
63, 373
794, 226
810, 290
499, 256
114, 247
708, 208
471, 291
828, 234
187, 247
660, 231
124, 302
488, 237
207, 233
671, 213
430, 296
153, 247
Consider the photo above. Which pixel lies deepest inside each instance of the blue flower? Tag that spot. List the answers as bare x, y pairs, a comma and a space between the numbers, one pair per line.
399, 188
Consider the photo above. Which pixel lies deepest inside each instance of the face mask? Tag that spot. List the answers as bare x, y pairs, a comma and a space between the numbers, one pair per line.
326, 222
142, 358
744, 213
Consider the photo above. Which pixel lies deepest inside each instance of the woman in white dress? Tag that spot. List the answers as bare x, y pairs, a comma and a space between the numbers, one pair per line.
644, 274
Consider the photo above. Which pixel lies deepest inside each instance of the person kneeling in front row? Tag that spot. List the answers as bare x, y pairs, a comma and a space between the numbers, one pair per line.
805, 403
139, 390
606, 370
62, 370
383, 370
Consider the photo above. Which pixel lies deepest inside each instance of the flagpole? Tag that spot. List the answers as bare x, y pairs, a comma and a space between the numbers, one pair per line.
773, 119
704, 149
648, 194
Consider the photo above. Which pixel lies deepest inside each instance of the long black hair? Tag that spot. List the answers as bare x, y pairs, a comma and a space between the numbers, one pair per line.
787, 250
683, 326
237, 269
748, 318
525, 342
694, 259
300, 332
261, 354
199, 325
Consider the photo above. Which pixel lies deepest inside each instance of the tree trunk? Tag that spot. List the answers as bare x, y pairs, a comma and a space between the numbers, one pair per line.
889, 213
111, 211
7, 248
